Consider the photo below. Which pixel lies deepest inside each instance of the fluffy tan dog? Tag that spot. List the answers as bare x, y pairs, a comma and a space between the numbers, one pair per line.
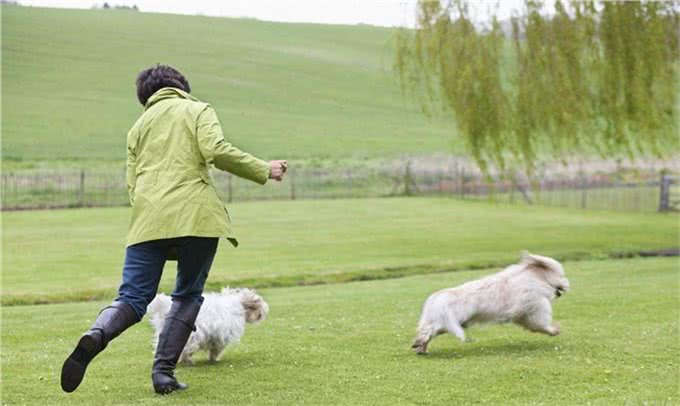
521, 294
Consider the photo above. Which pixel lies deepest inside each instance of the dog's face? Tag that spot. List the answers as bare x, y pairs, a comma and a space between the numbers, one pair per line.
558, 277
255, 307
558, 280
256, 310
562, 286
550, 269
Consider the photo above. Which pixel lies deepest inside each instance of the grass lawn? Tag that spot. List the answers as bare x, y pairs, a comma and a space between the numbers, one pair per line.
281, 90
75, 254
349, 344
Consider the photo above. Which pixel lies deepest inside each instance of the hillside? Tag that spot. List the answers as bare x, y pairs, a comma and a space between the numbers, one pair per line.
281, 90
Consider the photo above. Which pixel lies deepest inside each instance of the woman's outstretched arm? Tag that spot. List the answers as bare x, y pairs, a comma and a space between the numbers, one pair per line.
217, 151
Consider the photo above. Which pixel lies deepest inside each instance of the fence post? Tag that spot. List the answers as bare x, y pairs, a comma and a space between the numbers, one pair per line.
81, 193
663, 192
349, 182
410, 185
441, 181
4, 190
16, 188
512, 190
292, 186
584, 192
407, 179
452, 183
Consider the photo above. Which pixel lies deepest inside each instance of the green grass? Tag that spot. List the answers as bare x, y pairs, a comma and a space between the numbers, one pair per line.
78, 254
349, 344
281, 90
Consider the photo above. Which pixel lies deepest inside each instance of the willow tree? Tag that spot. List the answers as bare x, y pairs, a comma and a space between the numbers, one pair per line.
585, 77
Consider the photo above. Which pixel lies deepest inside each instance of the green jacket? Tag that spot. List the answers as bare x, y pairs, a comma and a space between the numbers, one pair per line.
169, 151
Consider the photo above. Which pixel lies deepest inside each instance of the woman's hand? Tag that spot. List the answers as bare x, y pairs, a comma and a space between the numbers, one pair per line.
277, 169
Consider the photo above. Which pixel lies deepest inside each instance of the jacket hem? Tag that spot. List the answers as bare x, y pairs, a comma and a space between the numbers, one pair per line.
229, 238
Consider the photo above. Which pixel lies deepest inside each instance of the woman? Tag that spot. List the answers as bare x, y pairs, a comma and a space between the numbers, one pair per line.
176, 214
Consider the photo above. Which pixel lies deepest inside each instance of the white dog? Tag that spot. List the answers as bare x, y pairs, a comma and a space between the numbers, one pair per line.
520, 294
220, 322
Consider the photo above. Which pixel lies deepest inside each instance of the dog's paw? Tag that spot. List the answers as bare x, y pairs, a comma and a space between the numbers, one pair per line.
186, 360
554, 329
420, 349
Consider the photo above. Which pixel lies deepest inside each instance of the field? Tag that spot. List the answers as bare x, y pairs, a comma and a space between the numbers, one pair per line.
318, 91
345, 278
349, 344
75, 254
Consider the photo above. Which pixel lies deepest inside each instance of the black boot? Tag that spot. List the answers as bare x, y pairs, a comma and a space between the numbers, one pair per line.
179, 323
112, 320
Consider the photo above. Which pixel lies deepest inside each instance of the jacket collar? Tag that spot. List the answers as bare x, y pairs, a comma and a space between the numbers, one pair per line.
167, 93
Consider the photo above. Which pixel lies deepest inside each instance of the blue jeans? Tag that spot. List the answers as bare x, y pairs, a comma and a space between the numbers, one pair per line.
144, 266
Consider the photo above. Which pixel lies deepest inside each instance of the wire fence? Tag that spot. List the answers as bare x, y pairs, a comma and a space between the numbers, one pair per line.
623, 190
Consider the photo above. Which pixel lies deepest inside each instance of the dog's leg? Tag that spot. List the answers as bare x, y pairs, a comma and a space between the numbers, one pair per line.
540, 320
455, 329
214, 353
186, 358
425, 334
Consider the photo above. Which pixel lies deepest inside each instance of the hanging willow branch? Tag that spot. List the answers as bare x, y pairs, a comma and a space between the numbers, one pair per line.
590, 77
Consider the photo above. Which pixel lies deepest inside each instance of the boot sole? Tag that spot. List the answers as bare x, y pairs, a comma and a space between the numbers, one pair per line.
74, 368
168, 389
170, 385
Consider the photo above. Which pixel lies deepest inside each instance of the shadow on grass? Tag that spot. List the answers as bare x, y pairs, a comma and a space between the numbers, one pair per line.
476, 349
202, 363
228, 361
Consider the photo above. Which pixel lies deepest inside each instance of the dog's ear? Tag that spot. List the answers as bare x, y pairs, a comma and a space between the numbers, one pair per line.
538, 261
255, 306
526, 257
529, 259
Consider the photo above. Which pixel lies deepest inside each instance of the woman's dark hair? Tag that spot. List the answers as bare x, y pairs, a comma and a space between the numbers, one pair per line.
149, 81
